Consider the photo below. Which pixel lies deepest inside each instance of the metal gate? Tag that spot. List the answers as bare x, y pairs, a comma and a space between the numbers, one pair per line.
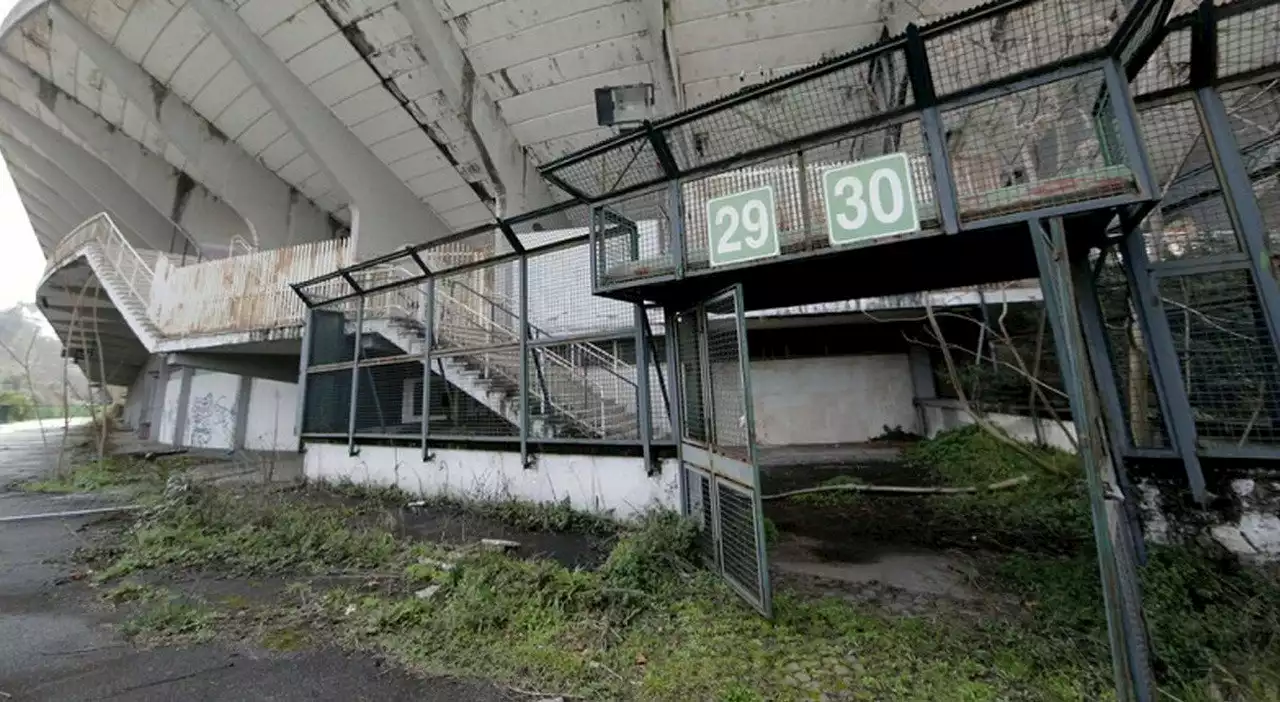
720, 476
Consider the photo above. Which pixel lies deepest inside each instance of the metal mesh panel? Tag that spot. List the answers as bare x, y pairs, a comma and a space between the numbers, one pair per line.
1030, 36
582, 390
1247, 41
1130, 365
634, 163
738, 546
906, 137
1228, 361
330, 339
1041, 147
475, 394
561, 302
1192, 220
728, 396
389, 397
1168, 67
478, 308
698, 506
873, 86
327, 405
692, 393
1254, 112
633, 238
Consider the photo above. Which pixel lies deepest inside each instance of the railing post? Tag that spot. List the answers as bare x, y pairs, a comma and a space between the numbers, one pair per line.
304, 362
355, 379
524, 360
926, 100
429, 334
643, 413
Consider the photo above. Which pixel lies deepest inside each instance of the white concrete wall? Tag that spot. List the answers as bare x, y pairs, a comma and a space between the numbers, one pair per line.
273, 416
167, 422
137, 398
614, 484
941, 415
831, 400
211, 410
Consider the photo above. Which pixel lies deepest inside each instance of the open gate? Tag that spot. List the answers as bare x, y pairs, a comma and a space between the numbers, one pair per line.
720, 475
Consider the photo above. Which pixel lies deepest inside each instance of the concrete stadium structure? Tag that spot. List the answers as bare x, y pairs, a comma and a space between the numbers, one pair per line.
492, 247
235, 147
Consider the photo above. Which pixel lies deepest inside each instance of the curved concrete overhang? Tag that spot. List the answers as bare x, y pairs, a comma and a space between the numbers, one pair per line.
268, 123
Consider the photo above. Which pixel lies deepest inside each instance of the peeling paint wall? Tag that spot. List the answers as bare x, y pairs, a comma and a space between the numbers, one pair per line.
239, 293
620, 485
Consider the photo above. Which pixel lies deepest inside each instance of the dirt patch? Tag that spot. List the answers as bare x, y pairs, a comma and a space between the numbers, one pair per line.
457, 527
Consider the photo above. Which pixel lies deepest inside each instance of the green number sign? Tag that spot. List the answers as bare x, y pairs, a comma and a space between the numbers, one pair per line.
870, 199
742, 227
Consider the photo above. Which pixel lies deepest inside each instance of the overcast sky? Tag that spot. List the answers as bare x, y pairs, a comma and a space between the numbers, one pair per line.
21, 260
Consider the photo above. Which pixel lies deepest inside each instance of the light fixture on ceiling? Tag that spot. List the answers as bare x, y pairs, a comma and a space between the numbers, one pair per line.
624, 105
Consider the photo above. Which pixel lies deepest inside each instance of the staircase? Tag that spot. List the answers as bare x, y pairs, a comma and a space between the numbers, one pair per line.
576, 389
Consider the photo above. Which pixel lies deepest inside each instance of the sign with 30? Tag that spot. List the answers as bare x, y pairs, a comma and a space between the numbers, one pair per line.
742, 227
870, 199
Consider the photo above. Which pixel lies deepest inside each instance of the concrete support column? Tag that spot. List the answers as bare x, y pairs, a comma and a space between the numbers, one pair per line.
243, 393
385, 213
155, 405
29, 159
923, 387
277, 214
184, 403
153, 229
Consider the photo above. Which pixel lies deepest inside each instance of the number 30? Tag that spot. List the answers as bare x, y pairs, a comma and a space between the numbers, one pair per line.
857, 202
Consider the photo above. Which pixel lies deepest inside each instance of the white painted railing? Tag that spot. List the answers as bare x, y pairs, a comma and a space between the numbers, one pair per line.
99, 237
237, 294
240, 293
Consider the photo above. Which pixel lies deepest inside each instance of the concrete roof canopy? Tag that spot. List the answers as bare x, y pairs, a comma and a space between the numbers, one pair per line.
272, 120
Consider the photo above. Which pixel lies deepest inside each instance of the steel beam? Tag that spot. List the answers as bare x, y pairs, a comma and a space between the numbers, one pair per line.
1126, 628
1171, 392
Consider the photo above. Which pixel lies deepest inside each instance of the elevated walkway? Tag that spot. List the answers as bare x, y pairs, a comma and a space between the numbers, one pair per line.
99, 291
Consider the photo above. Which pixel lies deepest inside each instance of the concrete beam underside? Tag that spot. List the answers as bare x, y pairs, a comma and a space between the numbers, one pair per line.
385, 213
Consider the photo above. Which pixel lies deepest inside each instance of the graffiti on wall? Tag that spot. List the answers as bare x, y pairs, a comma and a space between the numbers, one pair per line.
212, 419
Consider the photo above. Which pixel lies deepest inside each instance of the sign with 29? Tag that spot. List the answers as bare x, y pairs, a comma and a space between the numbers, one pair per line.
865, 200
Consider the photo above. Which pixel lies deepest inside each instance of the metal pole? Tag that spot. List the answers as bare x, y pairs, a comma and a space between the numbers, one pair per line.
355, 380
1242, 204
1129, 650
675, 222
428, 340
644, 414
1098, 348
304, 362
524, 360
1128, 130
675, 408
1171, 393
935, 136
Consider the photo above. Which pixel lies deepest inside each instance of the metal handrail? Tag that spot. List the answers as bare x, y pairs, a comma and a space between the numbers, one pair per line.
409, 307
101, 229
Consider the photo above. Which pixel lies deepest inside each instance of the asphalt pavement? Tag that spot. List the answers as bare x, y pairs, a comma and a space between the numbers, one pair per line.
54, 646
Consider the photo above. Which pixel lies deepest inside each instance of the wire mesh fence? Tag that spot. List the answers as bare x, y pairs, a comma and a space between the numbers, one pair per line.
484, 337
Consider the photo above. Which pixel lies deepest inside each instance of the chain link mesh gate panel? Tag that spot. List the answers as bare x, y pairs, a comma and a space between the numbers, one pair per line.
721, 479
